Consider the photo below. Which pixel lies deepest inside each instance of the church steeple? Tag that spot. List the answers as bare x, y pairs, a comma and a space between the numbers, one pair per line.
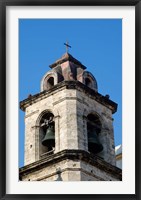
69, 126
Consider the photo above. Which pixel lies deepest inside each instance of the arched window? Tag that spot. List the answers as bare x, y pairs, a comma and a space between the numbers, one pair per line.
50, 83
93, 130
47, 133
88, 82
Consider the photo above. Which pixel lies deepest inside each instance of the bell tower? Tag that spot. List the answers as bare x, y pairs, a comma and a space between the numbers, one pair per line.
69, 127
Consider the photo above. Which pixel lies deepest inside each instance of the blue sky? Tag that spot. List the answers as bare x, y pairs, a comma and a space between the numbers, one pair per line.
96, 43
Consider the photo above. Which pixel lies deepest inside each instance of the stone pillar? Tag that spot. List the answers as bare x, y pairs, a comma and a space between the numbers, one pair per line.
57, 134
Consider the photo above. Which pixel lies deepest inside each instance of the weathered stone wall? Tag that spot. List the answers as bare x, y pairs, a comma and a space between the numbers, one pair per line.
92, 173
69, 170
63, 105
86, 105
63, 171
70, 108
32, 116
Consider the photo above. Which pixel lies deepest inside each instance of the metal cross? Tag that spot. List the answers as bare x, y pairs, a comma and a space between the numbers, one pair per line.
67, 46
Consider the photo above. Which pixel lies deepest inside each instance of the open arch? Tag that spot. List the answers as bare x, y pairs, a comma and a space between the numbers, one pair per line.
93, 129
89, 80
49, 80
50, 83
46, 133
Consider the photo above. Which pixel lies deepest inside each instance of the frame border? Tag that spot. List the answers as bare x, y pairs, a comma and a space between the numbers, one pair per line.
3, 5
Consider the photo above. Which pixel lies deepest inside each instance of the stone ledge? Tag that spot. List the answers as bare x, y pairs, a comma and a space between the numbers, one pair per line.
80, 155
69, 85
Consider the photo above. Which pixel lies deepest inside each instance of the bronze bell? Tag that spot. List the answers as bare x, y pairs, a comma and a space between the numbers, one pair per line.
49, 139
94, 146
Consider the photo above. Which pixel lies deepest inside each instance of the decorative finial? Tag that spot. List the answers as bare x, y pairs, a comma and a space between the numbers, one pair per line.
107, 96
67, 46
29, 96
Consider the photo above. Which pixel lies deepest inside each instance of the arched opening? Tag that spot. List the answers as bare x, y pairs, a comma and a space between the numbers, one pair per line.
88, 82
47, 134
50, 83
93, 130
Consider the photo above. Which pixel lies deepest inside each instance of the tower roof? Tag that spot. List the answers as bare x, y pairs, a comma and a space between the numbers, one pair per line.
67, 57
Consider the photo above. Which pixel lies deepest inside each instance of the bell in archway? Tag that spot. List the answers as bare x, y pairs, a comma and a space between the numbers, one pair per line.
94, 146
49, 139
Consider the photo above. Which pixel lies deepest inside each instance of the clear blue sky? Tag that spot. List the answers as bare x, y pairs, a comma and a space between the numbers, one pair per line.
97, 43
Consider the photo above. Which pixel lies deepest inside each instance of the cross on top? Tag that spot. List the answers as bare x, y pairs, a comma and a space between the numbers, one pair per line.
67, 46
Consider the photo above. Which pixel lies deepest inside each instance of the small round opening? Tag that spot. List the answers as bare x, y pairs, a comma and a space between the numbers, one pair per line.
50, 82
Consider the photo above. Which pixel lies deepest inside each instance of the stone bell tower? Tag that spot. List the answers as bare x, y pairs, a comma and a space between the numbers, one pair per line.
69, 128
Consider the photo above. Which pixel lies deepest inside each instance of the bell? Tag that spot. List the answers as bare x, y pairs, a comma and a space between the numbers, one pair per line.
94, 145
49, 139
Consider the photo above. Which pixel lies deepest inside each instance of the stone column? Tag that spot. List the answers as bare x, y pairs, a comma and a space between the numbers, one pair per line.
57, 134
